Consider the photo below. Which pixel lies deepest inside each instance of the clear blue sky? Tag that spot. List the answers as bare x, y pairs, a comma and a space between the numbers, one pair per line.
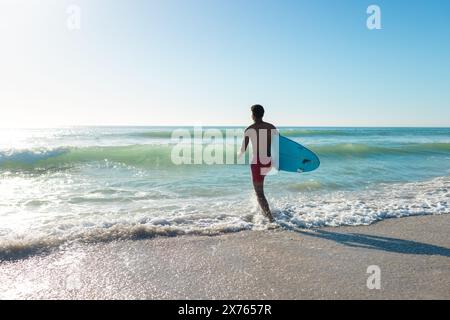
310, 63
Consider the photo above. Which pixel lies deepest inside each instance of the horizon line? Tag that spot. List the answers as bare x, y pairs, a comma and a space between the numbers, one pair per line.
216, 125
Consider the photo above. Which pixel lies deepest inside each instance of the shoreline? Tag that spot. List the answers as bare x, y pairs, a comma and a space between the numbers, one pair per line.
412, 253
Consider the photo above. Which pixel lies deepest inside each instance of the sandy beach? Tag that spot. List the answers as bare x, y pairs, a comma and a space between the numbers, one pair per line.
413, 255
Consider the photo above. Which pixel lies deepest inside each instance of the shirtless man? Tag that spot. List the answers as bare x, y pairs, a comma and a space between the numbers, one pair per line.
260, 134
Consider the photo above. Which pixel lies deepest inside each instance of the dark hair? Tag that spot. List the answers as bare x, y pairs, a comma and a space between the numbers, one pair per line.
258, 111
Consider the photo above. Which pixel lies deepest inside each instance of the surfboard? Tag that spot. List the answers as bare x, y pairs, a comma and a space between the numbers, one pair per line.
291, 156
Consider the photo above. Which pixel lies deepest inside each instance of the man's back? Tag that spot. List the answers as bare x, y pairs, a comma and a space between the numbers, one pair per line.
260, 134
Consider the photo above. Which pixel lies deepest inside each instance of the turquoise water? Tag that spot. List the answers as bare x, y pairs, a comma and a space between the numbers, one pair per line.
106, 183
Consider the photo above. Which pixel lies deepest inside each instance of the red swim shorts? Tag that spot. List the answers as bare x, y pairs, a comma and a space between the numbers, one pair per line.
259, 171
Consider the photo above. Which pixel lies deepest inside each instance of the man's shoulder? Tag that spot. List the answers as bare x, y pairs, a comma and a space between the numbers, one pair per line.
252, 126
264, 125
268, 125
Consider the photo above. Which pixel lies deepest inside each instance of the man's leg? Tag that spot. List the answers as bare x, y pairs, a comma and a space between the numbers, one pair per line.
259, 189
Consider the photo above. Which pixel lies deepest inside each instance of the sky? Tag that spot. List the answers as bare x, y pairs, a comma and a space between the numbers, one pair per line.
205, 62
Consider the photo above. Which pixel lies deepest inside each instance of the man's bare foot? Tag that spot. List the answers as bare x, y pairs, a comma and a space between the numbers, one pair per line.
269, 216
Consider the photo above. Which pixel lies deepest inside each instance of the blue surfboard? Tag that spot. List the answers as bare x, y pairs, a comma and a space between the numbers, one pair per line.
293, 157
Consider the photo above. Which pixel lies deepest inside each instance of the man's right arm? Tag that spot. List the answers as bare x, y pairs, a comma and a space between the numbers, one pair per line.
245, 142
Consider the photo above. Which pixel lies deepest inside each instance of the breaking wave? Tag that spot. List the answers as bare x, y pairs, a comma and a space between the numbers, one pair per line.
154, 156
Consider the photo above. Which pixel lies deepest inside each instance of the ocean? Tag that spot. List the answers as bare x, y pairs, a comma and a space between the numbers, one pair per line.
91, 184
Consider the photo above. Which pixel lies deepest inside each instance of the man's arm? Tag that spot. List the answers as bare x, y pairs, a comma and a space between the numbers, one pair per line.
245, 142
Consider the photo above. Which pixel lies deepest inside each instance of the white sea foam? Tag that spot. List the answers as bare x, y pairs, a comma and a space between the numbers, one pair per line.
302, 210
365, 207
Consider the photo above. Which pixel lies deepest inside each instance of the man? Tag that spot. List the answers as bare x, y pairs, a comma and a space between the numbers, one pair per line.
260, 133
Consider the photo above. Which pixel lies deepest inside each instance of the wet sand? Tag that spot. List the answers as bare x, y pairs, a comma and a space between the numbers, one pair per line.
413, 256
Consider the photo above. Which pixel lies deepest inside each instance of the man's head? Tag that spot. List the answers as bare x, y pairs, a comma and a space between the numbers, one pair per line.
257, 112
